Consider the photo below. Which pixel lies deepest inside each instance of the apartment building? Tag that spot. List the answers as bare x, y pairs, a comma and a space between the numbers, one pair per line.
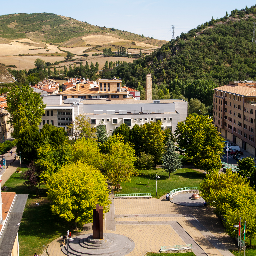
234, 113
110, 89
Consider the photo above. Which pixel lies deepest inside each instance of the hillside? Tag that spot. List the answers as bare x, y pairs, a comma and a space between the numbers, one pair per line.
212, 54
5, 76
54, 29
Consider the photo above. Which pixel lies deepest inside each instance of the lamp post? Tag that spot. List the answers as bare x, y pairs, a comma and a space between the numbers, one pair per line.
20, 159
157, 177
237, 226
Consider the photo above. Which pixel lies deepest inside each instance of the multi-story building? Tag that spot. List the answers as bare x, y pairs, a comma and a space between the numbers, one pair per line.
234, 113
110, 89
113, 113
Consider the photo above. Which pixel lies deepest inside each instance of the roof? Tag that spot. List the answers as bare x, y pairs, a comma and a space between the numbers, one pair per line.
13, 223
240, 90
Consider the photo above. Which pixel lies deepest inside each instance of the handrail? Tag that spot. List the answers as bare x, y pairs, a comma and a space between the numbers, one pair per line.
133, 195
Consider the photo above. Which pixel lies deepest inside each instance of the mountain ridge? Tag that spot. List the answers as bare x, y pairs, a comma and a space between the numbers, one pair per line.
58, 29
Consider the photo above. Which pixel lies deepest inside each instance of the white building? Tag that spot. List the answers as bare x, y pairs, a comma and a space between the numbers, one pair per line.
114, 113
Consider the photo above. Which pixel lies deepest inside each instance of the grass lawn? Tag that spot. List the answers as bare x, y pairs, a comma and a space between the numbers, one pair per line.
145, 181
38, 226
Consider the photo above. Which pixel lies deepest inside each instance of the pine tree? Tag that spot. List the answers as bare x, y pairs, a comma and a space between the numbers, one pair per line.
171, 159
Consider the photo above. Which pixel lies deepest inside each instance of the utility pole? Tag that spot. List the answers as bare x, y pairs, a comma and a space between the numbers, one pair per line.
173, 32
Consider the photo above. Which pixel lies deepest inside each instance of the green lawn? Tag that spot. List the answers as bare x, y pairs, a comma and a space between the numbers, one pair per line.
145, 181
38, 226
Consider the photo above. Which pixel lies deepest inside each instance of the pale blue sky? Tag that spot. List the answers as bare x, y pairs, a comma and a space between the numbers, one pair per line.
148, 17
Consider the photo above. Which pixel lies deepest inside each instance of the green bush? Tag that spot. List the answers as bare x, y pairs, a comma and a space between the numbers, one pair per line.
145, 161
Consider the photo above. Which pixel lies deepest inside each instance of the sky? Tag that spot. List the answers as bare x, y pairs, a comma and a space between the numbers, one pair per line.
153, 18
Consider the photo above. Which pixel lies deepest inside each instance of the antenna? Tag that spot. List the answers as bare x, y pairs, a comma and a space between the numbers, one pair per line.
173, 31
253, 37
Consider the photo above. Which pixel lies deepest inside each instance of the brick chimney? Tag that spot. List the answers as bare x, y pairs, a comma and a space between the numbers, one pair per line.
148, 87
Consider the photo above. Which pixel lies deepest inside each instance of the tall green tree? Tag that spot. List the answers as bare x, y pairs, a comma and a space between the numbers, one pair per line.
75, 190
171, 160
201, 141
26, 108
247, 169
119, 158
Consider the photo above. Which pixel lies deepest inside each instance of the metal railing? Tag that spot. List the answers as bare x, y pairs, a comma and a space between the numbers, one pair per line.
134, 195
178, 190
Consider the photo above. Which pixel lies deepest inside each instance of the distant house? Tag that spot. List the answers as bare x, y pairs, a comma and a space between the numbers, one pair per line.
110, 89
47, 86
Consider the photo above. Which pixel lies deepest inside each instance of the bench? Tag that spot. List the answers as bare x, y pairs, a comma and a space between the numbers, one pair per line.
133, 195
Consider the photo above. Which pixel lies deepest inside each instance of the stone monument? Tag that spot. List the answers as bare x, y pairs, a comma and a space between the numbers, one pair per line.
98, 222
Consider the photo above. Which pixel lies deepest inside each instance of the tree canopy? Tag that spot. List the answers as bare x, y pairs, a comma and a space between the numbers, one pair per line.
75, 190
26, 108
201, 141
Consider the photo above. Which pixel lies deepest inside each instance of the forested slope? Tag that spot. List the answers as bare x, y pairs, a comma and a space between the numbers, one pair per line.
213, 54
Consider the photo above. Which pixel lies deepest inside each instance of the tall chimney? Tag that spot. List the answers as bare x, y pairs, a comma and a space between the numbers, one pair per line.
148, 87
77, 87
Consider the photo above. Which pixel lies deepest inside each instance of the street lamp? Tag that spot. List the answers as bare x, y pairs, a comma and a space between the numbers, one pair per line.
157, 177
227, 152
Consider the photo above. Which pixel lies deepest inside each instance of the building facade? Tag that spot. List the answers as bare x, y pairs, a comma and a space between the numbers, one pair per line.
234, 113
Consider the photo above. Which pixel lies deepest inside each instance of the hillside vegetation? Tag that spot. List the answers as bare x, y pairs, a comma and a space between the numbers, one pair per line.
55, 29
210, 55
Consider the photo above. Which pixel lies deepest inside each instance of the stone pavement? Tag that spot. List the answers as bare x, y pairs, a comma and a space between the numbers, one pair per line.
152, 223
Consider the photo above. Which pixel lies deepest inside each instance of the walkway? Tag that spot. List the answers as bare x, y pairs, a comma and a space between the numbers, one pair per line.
152, 223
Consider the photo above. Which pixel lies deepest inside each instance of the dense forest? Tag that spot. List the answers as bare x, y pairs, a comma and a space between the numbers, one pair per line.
210, 55
56, 29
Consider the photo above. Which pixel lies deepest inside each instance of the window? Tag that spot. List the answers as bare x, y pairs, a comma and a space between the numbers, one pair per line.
47, 121
151, 118
245, 135
102, 120
52, 122
225, 117
114, 120
146, 119
100, 86
239, 115
43, 122
245, 126
108, 86
230, 111
114, 96
251, 120
93, 121
47, 112
107, 119
51, 112
127, 121
158, 119
105, 87
251, 111
239, 107
239, 124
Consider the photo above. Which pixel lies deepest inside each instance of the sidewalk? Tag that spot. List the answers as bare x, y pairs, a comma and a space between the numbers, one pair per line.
11, 165
152, 223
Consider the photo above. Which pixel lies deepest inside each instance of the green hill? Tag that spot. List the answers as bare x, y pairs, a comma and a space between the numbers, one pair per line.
212, 54
55, 29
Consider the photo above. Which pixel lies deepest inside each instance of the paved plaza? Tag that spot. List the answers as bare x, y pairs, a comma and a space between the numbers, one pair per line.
152, 223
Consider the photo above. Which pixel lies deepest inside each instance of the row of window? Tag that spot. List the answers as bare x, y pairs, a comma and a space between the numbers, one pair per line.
48, 113
128, 120
64, 113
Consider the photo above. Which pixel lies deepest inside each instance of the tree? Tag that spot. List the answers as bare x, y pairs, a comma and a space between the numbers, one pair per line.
40, 64
26, 108
101, 133
247, 169
124, 131
233, 199
75, 190
50, 159
152, 140
81, 127
119, 160
197, 107
87, 151
171, 160
69, 56
28, 143
201, 141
